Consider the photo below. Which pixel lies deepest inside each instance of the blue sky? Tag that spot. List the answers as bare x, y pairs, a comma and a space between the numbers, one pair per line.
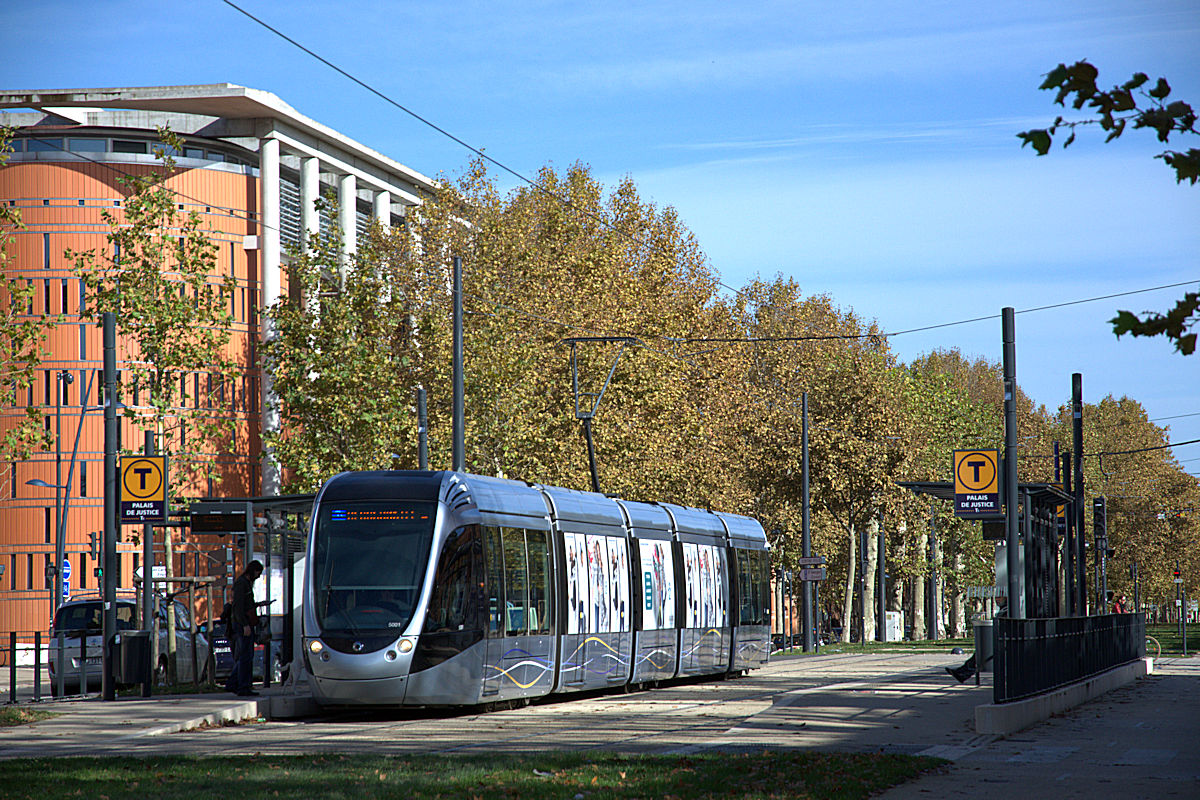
867, 148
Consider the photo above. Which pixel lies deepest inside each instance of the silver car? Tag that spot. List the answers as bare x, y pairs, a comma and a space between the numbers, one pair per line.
80, 620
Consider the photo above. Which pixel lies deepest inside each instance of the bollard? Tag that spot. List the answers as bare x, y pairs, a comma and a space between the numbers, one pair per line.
83, 663
60, 672
37, 666
12, 667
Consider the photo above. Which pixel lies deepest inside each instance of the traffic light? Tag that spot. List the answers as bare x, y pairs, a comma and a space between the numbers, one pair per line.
1177, 572
1100, 519
95, 546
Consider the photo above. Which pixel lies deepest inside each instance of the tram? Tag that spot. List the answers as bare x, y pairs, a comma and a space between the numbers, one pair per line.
446, 588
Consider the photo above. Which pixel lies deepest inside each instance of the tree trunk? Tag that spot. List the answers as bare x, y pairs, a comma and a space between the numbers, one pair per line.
957, 610
868, 599
848, 598
918, 590
896, 589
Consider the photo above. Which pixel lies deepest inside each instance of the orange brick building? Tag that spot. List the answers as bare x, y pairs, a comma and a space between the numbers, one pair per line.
252, 169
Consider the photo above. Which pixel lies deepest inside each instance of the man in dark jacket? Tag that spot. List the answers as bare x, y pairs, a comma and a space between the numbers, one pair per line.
244, 618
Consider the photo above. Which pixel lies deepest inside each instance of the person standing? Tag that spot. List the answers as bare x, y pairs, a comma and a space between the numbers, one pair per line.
244, 619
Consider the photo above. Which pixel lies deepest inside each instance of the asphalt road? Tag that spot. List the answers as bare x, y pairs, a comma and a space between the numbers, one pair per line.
1142, 740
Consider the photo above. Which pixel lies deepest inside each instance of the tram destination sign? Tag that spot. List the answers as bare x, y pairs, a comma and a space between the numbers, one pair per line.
977, 483
143, 489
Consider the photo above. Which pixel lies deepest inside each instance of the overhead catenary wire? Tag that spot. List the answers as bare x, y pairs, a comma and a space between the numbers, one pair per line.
610, 225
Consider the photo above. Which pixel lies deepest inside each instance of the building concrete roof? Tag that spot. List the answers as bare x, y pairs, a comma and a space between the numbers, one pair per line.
243, 109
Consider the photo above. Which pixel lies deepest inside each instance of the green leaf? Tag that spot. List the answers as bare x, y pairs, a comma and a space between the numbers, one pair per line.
1040, 140
1137, 80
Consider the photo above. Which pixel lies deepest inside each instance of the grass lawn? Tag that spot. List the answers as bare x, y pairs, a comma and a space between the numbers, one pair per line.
1172, 642
591, 776
22, 715
919, 645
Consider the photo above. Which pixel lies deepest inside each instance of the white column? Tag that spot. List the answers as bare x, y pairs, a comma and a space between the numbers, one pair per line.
348, 205
310, 190
383, 209
268, 237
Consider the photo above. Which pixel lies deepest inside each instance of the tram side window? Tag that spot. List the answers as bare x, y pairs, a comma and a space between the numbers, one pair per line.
516, 582
538, 546
454, 604
746, 579
494, 559
753, 580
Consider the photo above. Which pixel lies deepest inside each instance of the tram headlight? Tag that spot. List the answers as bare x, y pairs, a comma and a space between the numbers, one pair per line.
406, 645
315, 647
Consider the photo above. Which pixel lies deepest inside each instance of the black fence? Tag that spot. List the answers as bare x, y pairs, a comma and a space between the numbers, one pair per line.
1033, 656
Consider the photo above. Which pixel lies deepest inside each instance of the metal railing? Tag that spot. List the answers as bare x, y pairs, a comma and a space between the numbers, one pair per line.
26, 673
1034, 656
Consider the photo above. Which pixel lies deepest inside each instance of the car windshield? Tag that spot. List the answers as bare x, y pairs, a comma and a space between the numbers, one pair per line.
76, 617
369, 563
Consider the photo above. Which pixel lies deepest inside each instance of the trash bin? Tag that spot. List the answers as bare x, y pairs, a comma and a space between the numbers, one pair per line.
984, 646
131, 656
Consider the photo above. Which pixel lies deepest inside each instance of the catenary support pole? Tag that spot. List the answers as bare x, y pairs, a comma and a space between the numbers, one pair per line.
459, 444
1072, 587
108, 592
805, 535
1078, 510
934, 613
422, 430
1012, 552
148, 584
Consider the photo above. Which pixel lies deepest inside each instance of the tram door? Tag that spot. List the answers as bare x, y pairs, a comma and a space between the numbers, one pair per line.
493, 556
519, 660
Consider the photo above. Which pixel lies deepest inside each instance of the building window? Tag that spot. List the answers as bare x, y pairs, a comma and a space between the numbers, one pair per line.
82, 342
46, 524
29, 571
46, 297
44, 146
46, 380
64, 296
129, 146
83, 478
83, 570
87, 146
46, 249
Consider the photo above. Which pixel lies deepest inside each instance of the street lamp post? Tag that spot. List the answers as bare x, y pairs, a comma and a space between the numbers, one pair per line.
60, 547
61, 377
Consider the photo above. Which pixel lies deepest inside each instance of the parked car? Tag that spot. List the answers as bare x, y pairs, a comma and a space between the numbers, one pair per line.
80, 620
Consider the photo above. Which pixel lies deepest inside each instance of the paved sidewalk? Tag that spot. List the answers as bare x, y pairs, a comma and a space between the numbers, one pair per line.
1142, 740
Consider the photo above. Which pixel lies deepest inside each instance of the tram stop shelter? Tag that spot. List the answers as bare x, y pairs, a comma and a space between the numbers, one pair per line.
1040, 535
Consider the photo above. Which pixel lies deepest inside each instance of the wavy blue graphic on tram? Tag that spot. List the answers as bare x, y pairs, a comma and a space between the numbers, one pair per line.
613, 658
531, 662
702, 643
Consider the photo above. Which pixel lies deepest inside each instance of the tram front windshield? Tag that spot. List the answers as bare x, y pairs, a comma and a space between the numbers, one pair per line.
368, 564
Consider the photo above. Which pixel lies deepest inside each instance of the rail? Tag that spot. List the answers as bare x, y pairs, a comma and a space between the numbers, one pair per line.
1034, 656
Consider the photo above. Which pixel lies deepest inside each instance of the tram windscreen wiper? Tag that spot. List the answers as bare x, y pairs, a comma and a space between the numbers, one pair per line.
344, 613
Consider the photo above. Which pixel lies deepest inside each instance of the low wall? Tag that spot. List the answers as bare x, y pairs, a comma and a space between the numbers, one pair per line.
1005, 718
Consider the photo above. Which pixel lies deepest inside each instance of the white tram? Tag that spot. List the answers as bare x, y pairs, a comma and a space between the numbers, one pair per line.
443, 588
